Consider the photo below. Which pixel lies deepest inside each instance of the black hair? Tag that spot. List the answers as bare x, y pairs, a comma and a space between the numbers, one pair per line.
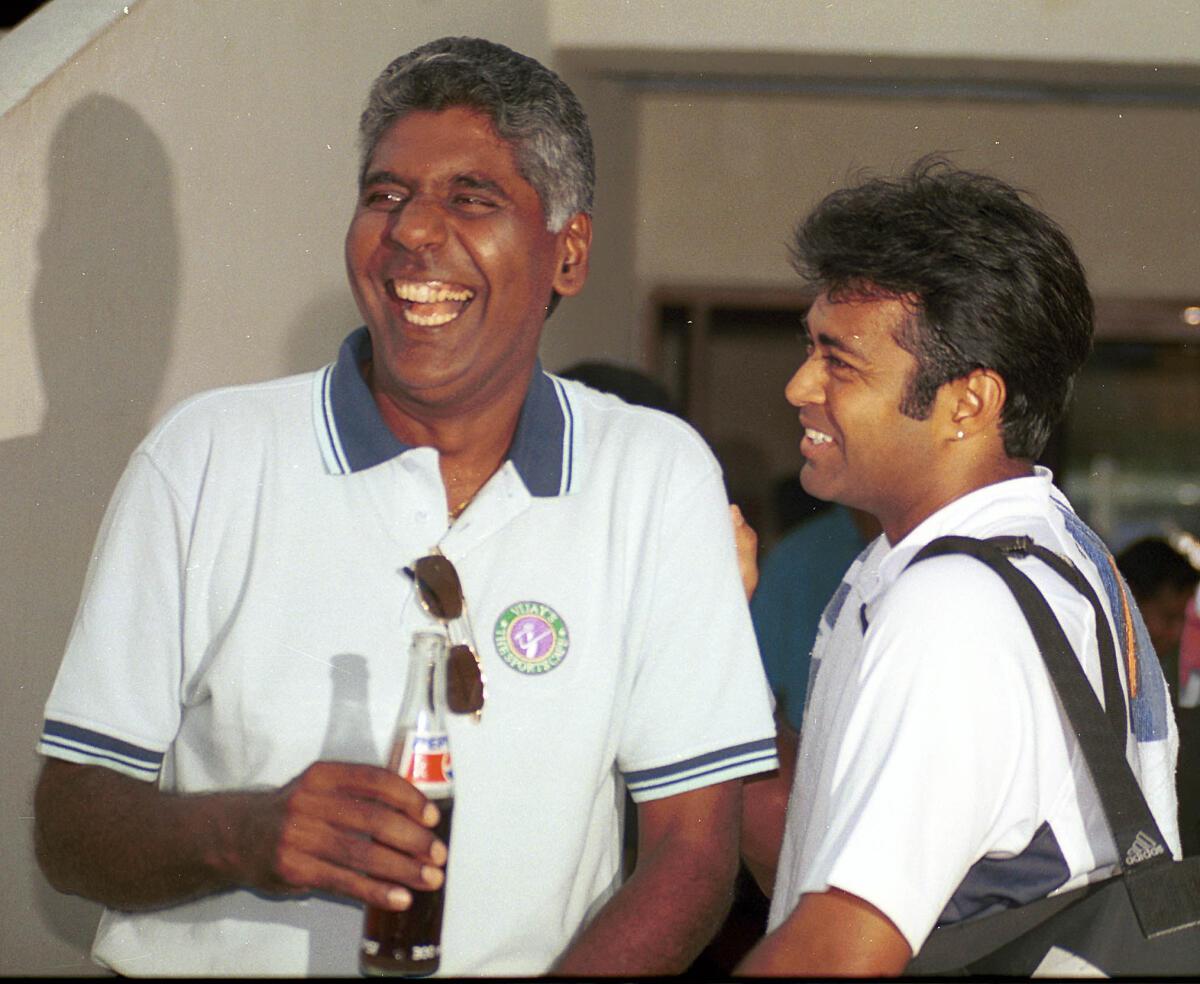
629, 384
1151, 564
991, 283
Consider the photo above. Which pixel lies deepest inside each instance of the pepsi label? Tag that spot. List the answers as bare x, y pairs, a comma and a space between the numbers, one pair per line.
425, 762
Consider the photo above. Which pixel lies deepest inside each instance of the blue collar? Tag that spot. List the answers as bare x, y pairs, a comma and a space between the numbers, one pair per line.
542, 447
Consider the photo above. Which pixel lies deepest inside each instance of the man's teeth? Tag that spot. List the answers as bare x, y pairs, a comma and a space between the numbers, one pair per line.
816, 436
429, 320
431, 303
420, 293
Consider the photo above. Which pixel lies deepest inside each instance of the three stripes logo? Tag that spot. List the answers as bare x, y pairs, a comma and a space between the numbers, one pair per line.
1143, 848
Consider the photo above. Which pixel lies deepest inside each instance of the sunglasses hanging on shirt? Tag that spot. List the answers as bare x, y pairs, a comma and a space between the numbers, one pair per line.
440, 592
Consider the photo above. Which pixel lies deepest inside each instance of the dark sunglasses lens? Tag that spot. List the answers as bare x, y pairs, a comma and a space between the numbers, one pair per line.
464, 682
440, 588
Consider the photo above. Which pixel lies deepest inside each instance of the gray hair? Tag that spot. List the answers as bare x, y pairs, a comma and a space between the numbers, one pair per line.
530, 107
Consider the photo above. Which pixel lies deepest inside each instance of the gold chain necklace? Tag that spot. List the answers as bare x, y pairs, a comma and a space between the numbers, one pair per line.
460, 508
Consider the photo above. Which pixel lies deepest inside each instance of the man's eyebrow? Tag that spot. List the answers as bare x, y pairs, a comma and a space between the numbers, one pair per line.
477, 182
380, 177
807, 336
468, 179
839, 345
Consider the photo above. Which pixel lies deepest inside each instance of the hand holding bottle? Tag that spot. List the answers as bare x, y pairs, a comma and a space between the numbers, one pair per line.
358, 831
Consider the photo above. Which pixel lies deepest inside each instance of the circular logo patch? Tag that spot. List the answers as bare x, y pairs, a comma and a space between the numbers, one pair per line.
531, 638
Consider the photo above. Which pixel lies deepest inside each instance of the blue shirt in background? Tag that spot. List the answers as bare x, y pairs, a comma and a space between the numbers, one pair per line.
797, 579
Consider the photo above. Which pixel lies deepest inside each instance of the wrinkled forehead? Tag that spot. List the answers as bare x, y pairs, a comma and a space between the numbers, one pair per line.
454, 140
456, 128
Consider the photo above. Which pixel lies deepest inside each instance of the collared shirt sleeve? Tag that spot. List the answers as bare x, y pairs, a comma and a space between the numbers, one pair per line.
700, 711
116, 699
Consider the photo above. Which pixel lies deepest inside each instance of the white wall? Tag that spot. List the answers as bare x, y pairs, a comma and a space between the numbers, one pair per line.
723, 178
1158, 32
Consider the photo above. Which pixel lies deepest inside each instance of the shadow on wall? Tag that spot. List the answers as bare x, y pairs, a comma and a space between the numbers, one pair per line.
103, 312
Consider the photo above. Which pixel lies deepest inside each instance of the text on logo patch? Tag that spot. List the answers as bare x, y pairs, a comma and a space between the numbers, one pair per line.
531, 637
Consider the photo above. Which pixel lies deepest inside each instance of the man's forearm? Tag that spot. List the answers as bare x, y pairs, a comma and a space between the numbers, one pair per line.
763, 818
678, 895
829, 934
657, 923
127, 844
356, 831
764, 811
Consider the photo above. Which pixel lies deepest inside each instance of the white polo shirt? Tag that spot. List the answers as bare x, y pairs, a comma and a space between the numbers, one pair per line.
245, 614
935, 776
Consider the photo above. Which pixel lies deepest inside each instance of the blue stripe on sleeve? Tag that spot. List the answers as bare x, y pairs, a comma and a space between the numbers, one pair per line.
739, 760
645, 775
93, 745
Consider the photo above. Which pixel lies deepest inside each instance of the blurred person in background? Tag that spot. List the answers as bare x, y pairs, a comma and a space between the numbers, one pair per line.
798, 577
1162, 581
1165, 585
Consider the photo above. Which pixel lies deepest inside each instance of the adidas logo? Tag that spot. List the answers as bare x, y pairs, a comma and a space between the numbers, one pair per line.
1143, 848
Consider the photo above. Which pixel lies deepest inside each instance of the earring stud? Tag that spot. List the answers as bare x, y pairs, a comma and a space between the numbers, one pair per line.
958, 436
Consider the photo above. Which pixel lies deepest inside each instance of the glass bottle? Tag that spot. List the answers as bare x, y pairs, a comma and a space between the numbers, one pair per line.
409, 943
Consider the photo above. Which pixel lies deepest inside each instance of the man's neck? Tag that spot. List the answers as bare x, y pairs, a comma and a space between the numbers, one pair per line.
954, 487
472, 441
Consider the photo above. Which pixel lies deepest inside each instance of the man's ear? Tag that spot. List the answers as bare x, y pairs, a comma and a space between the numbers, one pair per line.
574, 249
976, 403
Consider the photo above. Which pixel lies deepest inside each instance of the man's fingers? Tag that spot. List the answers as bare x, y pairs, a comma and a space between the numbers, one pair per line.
336, 880
357, 831
746, 541
368, 781
313, 854
347, 811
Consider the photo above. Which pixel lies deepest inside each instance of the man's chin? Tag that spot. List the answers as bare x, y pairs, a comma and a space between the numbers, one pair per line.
810, 481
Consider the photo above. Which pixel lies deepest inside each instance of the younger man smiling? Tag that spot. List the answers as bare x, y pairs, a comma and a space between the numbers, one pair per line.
934, 781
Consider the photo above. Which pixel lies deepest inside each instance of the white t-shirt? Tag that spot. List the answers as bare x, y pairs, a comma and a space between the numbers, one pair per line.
246, 614
935, 778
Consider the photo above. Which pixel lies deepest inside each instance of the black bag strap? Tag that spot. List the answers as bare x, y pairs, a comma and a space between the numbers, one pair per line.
1114, 692
1114, 695
1130, 821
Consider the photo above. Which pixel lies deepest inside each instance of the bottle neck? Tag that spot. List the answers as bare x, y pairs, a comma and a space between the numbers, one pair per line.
424, 705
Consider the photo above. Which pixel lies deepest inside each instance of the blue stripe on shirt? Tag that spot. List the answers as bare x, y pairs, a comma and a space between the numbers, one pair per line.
1148, 708
762, 750
59, 734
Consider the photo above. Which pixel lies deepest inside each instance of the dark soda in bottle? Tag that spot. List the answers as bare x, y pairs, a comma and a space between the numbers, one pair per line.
409, 943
